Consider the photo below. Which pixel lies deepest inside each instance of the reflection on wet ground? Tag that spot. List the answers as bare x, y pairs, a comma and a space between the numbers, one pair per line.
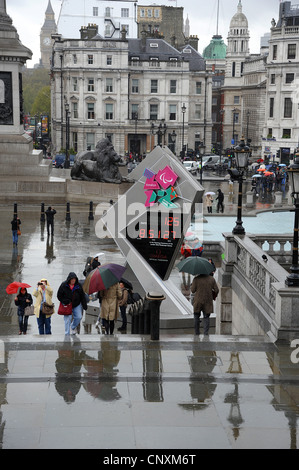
173, 394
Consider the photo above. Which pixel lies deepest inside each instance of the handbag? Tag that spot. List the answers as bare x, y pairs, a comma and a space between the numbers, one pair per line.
65, 309
29, 311
48, 309
19, 232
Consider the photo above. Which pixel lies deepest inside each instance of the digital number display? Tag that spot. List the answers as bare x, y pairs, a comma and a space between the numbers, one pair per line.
167, 230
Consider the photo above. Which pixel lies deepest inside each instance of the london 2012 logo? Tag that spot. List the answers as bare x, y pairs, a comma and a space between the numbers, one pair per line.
159, 188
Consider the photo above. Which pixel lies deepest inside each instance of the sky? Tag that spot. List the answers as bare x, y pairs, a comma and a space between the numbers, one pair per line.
28, 17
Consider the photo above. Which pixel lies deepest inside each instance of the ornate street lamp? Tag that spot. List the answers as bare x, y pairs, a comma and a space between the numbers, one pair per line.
293, 279
67, 131
242, 153
173, 137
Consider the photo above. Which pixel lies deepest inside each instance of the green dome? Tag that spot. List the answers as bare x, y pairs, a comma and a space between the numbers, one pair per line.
216, 49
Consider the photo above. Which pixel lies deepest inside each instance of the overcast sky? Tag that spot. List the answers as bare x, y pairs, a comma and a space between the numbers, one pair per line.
28, 17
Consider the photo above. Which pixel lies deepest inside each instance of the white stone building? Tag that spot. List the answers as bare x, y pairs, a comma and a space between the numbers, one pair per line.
130, 90
281, 130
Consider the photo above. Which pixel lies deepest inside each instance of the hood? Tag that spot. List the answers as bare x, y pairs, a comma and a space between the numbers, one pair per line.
71, 276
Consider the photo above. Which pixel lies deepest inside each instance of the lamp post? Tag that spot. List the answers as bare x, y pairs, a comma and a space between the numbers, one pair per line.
293, 279
184, 109
242, 152
67, 131
162, 128
234, 122
173, 137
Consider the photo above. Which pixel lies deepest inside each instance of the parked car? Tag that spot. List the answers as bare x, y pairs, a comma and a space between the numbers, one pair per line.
59, 160
191, 166
209, 161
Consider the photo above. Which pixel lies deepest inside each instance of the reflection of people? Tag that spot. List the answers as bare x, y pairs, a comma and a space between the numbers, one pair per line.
123, 307
15, 223
50, 212
70, 291
205, 289
109, 306
23, 300
69, 362
43, 293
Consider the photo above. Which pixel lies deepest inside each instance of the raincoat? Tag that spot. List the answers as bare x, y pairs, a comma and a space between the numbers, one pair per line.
110, 299
38, 293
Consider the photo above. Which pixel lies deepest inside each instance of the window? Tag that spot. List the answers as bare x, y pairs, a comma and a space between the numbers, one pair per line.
90, 59
75, 110
75, 83
95, 11
172, 112
290, 77
125, 12
107, 12
172, 86
90, 139
149, 13
291, 51
90, 86
157, 13
274, 55
109, 111
154, 86
272, 78
126, 28
135, 111
109, 60
142, 13
233, 69
270, 133
75, 59
109, 85
198, 111
286, 133
153, 112
271, 110
288, 107
236, 99
198, 88
90, 111
75, 141
135, 85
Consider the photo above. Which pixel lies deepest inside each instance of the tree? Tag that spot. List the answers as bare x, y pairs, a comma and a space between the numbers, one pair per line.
42, 102
33, 81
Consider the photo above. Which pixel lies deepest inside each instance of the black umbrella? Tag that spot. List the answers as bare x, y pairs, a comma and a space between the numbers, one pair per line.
126, 283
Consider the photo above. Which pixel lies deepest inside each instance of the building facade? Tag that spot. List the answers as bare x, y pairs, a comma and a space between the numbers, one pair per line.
132, 91
281, 128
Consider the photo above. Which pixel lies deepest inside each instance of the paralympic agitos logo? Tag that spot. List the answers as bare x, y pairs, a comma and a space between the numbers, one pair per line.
159, 188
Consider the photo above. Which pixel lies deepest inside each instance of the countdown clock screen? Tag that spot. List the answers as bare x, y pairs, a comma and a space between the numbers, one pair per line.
156, 237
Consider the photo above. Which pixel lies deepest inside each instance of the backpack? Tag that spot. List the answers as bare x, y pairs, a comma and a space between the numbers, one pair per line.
133, 297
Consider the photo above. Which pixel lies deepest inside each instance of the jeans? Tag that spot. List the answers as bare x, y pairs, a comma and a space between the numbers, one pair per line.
44, 324
23, 321
15, 236
123, 316
72, 321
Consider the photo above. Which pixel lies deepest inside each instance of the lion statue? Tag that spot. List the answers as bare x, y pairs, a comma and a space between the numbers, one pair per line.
100, 165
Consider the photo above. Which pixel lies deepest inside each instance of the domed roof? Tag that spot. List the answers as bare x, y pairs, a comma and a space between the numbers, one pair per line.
216, 49
239, 19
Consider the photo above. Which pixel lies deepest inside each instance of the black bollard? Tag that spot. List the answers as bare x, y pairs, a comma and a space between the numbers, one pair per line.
68, 212
42, 212
15, 210
147, 317
91, 217
155, 299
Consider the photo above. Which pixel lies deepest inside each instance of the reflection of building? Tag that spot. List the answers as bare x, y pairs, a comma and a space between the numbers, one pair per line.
119, 88
46, 42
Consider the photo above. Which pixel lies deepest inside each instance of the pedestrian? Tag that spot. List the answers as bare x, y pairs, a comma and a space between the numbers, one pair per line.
43, 293
15, 224
71, 291
95, 262
214, 267
109, 306
23, 300
205, 290
50, 212
220, 199
209, 202
123, 307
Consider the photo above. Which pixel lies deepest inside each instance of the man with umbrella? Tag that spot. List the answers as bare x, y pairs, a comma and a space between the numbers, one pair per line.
204, 288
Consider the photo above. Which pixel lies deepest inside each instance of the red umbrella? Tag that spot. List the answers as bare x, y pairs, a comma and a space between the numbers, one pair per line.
15, 286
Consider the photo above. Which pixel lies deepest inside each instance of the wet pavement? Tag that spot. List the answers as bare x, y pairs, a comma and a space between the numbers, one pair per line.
92, 391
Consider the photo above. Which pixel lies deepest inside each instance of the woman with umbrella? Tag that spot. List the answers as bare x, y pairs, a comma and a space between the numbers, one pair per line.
23, 300
110, 299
